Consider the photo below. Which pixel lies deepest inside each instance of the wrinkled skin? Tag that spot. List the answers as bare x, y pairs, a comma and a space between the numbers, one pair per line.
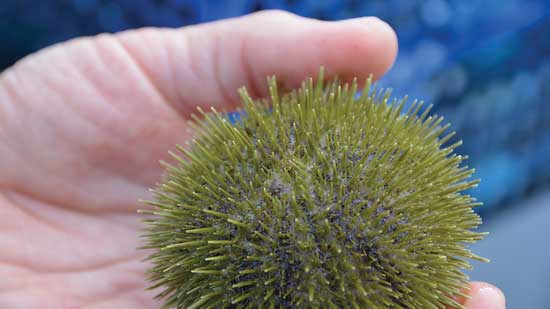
83, 125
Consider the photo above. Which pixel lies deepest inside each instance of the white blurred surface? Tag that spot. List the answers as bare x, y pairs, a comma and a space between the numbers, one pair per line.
519, 248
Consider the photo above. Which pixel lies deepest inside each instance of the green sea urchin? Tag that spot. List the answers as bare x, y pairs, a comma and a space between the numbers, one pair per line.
318, 198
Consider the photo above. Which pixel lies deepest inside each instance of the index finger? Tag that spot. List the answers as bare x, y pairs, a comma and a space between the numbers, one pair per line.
204, 65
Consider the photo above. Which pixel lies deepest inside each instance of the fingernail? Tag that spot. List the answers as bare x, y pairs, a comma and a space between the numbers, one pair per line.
488, 297
369, 20
372, 23
378, 23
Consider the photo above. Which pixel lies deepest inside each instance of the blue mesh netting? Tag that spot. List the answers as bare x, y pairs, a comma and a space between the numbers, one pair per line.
484, 64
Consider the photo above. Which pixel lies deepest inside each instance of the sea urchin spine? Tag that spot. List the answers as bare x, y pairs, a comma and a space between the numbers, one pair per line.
322, 197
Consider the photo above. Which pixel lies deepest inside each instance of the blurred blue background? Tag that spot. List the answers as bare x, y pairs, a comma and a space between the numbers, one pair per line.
485, 66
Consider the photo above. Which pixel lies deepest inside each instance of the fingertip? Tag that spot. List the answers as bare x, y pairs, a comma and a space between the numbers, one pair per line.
388, 39
485, 296
349, 48
379, 41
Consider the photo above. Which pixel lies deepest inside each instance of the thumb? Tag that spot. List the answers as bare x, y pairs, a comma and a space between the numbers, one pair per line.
485, 296
482, 295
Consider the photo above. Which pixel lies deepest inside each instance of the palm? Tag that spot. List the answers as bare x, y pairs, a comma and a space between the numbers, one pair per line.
81, 150
54, 262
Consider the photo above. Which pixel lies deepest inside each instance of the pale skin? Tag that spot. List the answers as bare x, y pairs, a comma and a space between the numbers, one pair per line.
84, 123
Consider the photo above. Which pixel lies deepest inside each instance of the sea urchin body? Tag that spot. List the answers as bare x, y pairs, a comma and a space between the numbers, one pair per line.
318, 198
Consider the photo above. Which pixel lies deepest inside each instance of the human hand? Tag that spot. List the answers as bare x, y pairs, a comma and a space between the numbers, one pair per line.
84, 123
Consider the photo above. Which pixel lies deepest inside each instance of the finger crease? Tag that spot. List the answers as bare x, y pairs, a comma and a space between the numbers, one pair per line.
148, 77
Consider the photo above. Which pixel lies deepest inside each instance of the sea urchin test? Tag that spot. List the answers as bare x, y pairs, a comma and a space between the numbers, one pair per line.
325, 197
